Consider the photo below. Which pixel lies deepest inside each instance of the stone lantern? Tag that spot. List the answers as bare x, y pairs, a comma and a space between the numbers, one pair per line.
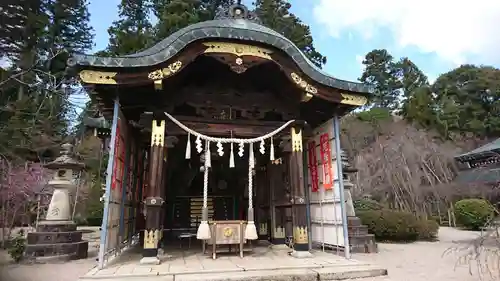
359, 239
347, 169
65, 165
56, 235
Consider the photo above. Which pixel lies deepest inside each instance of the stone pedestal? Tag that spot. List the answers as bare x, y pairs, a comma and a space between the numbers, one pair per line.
59, 240
359, 238
57, 236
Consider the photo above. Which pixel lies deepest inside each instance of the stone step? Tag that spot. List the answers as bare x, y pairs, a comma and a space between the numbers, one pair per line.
54, 237
358, 230
353, 221
78, 250
363, 244
44, 226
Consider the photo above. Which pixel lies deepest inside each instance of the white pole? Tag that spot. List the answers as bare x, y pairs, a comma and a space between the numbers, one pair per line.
336, 131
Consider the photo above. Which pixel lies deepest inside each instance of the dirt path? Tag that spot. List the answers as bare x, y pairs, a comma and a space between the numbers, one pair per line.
424, 261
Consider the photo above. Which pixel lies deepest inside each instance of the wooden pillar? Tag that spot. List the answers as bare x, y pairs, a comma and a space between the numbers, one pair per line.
261, 187
299, 210
154, 200
278, 236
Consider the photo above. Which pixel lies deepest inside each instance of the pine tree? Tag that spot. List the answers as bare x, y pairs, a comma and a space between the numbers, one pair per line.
381, 72
69, 31
209, 8
133, 31
176, 14
51, 29
276, 15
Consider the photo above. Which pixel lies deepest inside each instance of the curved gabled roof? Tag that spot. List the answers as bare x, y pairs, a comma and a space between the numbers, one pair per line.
488, 150
227, 28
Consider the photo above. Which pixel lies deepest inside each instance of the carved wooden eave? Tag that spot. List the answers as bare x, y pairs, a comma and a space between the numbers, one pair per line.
94, 77
236, 38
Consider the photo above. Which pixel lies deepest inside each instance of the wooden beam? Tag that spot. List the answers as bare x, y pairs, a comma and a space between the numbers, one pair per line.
240, 128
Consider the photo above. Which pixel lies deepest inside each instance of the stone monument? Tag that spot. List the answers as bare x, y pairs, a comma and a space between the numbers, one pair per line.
359, 238
56, 235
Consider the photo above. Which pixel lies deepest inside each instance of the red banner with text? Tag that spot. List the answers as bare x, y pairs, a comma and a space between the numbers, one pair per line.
326, 159
313, 165
116, 162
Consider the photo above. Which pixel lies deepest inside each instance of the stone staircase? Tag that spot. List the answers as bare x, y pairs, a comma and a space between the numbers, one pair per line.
359, 238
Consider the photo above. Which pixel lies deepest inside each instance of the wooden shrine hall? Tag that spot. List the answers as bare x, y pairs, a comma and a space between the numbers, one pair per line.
214, 135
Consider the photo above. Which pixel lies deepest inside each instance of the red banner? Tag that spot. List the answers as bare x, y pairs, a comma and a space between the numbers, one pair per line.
326, 158
116, 165
313, 166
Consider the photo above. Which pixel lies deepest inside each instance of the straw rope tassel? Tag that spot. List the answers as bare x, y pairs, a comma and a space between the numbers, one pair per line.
250, 230
188, 147
231, 157
203, 232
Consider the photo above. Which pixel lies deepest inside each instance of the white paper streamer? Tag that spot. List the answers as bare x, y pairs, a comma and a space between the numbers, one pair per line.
231, 157
199, 146
220, 149
241, 149
262, 148
188, 147
271, 151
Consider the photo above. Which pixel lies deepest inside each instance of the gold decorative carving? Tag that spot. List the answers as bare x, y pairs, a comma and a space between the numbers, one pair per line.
306, 97
165, 72
98, 77
296, 139
237, 49
158, 133
151, 239
228, 232
303, 84
158, 84
353, 99
300, 235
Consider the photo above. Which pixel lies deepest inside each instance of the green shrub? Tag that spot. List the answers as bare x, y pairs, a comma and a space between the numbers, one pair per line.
17, 246
473, 213
390, 225
427, 229
367, 205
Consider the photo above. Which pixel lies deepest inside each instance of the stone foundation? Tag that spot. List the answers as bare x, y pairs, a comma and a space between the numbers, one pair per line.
56, 240
359, 238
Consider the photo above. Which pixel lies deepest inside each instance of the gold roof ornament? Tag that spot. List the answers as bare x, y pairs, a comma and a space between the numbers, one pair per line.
162, 73
303, 84
237, 49
98, 77
353, 99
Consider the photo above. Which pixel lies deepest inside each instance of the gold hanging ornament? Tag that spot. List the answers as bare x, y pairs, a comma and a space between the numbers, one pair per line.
296, 139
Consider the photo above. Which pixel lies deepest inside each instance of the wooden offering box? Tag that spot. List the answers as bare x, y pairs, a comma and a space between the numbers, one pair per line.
226, 233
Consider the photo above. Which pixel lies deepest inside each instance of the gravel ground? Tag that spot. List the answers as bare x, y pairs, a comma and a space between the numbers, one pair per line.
426, 261
421, 261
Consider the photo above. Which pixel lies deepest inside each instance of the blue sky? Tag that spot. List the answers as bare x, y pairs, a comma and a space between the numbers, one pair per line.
437, 39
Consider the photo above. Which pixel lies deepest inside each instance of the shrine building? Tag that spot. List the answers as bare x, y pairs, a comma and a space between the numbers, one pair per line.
223, 131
